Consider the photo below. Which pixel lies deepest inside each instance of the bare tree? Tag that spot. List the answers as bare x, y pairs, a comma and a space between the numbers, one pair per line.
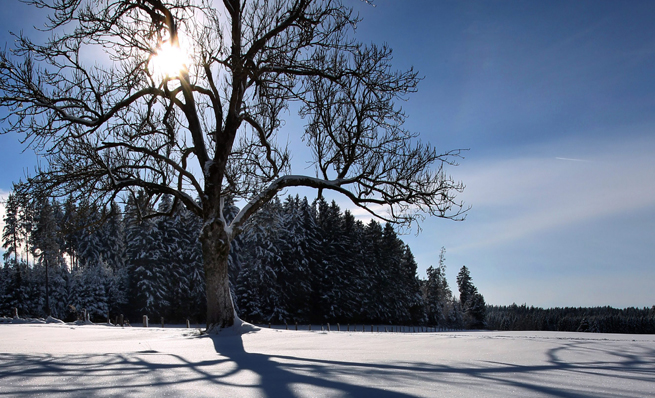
92, 101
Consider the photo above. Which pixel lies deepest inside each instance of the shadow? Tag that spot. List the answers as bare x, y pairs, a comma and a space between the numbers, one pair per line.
279, 373
571, 369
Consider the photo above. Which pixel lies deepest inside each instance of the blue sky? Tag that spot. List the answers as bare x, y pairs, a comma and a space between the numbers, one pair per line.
555, 101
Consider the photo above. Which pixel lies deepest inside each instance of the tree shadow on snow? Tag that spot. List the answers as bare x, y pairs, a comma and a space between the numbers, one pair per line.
278, 373
238, 373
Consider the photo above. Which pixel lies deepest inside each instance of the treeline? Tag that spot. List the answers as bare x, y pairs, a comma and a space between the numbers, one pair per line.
298, 261
596, 319
61, 258
311, 263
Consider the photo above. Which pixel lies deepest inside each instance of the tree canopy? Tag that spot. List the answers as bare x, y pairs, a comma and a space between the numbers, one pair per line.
95, 102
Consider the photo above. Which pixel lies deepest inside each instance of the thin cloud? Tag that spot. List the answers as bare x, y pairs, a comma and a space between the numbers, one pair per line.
516, 198
572, 159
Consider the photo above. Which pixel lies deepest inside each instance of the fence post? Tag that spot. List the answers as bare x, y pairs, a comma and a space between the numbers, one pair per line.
162, 322
328, 327
286, 327
338, 327
187, 323
145, 321
121, 320
16, 312
296, 325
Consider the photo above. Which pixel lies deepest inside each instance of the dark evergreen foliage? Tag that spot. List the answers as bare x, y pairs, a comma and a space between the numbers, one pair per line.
596, 319
296, 262
471, 300
439, 301
312, 263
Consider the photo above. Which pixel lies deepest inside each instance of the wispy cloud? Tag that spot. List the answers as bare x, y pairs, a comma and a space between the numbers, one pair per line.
572, 159
518, 197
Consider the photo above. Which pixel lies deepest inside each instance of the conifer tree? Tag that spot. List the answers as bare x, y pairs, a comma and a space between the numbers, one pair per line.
438, 295
195, 306
258, 291
466, 288
139, 234
10, 233
71, 232
331, 288
354, 272
471, 300
373, 294
295, 267
411, 288
46, 243
112, 234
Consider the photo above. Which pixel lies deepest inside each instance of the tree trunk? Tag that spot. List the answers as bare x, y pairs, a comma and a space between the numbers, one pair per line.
215, 252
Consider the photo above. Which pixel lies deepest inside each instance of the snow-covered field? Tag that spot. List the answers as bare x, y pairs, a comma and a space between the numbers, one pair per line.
54, 360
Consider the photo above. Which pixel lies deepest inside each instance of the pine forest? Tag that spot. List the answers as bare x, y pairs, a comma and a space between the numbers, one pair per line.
298, 261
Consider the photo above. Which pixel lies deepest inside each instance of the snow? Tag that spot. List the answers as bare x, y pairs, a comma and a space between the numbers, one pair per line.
58, 360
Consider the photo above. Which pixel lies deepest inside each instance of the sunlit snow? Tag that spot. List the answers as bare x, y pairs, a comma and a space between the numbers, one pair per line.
58, 360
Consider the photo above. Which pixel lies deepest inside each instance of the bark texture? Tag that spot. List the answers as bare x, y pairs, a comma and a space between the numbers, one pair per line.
215, 252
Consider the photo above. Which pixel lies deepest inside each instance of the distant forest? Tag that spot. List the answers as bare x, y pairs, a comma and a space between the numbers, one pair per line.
596, 319
298, 261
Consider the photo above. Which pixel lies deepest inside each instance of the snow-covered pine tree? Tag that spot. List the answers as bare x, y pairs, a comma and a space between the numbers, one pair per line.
165, 258
71, 232
112, 234
258, 293
193, 306
18, 219
11, 237
394, 284
438, 296
46, 243
4, 284
86, 240
331, 287
140, 236
373, 294
92, 285
476, 310
413, 299
473, 304
355, 270
466, 288
14, 294
455, 315
33, 290
296, 266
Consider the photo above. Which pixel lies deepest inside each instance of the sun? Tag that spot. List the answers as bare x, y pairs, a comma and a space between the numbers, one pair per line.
169, 60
